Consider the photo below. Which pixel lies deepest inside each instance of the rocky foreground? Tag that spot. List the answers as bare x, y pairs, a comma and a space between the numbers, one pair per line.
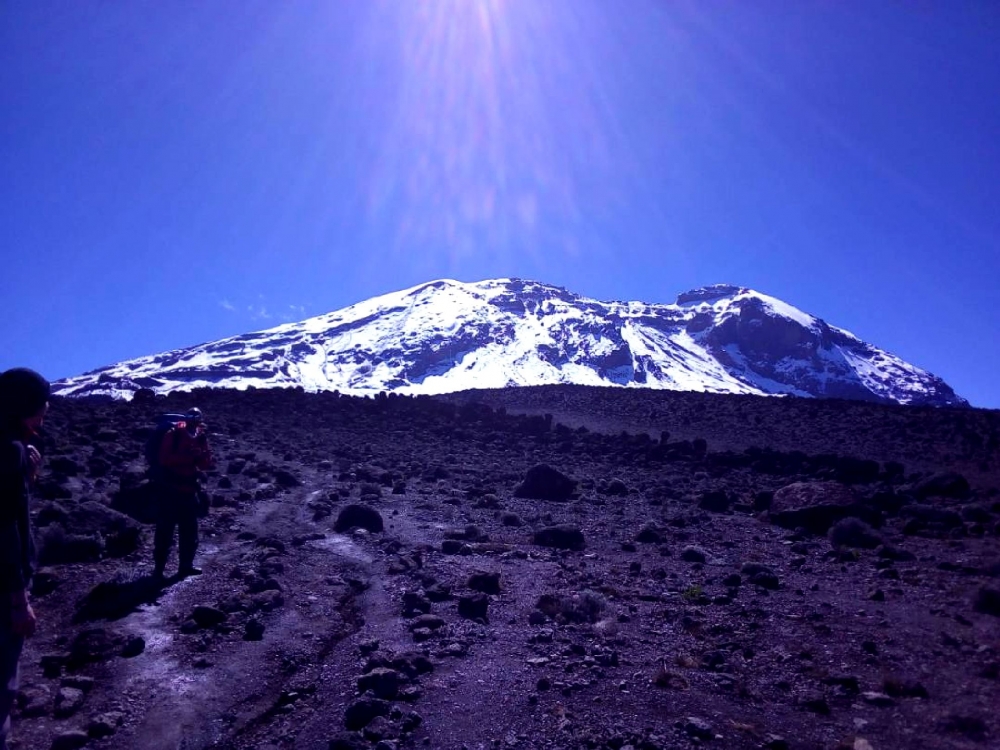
539, 568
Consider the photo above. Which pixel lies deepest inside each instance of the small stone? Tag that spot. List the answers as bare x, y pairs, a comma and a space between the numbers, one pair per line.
903, 687
815, 702
253, 631
880, 700
696, 727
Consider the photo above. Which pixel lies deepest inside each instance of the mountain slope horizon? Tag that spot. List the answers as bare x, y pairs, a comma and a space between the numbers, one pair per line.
445, 336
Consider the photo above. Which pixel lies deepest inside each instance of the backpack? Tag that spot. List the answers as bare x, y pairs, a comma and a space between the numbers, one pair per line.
164, 424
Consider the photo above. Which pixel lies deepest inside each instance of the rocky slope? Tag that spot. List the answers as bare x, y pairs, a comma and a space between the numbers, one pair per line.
448, 336
400, 572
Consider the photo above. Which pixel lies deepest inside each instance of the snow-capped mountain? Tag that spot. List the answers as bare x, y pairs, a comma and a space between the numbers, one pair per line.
449, 336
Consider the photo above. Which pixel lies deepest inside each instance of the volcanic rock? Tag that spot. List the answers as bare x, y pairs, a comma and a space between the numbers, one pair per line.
815, 506
359, 516
542, 482
563, 536
362, 711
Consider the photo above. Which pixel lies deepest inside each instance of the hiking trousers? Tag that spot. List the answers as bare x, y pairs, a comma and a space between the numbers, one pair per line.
10, 654
177, 510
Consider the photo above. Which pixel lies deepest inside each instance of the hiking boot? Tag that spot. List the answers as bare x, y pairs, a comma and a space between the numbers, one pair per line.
189, 570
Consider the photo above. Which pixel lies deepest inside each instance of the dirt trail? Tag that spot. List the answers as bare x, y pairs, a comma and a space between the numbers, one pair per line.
191, 691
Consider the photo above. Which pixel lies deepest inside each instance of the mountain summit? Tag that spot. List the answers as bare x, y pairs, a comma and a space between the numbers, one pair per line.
448, 336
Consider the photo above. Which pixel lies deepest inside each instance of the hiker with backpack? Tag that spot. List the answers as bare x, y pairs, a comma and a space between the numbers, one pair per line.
24, 400
178, 453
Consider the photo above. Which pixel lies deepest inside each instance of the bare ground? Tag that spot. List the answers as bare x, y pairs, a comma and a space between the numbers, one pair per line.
632, 640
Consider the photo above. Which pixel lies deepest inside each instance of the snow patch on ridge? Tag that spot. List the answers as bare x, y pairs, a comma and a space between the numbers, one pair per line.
447, 335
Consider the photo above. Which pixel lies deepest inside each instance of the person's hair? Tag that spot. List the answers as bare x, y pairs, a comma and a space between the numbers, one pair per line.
23, 393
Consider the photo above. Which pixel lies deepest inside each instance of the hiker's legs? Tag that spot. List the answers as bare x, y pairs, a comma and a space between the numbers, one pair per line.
10, 653
188, 537
163, 539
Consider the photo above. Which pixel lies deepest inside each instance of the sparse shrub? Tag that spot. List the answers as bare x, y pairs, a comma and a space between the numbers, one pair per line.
692, 594
853, 532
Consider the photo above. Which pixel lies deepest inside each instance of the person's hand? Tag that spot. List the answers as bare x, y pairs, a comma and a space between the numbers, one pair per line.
23, 621
34, 459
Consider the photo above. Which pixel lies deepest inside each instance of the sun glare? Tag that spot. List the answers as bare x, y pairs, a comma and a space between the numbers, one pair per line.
495, 114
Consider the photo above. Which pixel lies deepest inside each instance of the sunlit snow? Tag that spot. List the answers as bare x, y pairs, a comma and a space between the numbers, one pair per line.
447, 336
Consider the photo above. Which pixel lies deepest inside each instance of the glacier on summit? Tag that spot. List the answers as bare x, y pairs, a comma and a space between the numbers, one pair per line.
446, 336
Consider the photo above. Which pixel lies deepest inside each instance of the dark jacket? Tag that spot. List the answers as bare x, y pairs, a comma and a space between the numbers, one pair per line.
17, 548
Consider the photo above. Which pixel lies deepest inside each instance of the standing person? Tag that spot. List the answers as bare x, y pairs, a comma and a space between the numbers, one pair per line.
182, 455
24, 399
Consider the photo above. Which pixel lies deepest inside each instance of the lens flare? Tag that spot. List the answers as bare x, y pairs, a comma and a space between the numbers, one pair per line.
498, 133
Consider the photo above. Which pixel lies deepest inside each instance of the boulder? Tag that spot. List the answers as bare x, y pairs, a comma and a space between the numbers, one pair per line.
562, 536
93, 646
715, 501
946, 484
474, 606
649, 534
932, 514
359, 516
362, 711
853, 532
70, 740
815, 506
120, 532
381, 681
208, 617
69, 700
487, 583
136, 499
542, 482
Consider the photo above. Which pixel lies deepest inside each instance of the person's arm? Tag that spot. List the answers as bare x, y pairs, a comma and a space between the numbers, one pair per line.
183, 453
12, 500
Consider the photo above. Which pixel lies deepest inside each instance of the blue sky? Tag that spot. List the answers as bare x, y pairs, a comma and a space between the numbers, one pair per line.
176, 172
